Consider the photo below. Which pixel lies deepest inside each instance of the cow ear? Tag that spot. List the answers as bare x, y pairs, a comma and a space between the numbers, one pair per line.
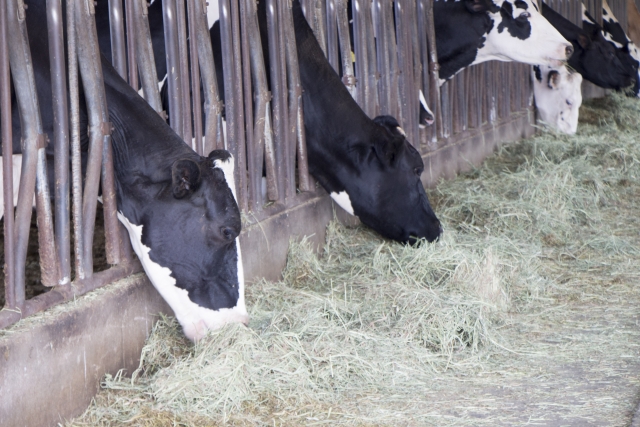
584, 41
185, 176
553, 81
476, 6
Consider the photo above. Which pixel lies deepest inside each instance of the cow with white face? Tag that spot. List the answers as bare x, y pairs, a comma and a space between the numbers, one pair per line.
179, 207
558, 97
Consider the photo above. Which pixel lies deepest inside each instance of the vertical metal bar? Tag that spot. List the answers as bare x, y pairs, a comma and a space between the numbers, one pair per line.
7, 164
99, 138
361, 54
76, 159
296, 115
137, 15
183, 54
248, 101
132, 28
287, 136
263, 130
279, 96
383, 56
233, 91
118, 51
332, 35
195, 78
60, 137
213, 137
407, 90
173, 66
33, 157
344, 40
434, 68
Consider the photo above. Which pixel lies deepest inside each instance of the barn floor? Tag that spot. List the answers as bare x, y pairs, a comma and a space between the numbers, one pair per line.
526, 312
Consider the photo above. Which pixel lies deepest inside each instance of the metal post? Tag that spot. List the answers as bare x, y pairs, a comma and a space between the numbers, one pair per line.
195, 79
137, 15
174, 77
118, 51
33, 157
60, 137
7, 165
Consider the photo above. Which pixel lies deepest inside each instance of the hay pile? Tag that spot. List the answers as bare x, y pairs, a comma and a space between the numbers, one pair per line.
526, 311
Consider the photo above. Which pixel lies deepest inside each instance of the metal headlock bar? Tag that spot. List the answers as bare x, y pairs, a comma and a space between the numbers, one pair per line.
384, 51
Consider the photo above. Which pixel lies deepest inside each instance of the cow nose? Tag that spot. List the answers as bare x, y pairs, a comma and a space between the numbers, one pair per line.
569, 51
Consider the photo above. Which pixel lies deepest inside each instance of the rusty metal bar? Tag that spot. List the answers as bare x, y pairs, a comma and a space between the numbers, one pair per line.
232, 66
141, 35
7, 165
132, 28
76, 159
118, 50
263, 130
194, 68
288, 136
60, 137
33, 158
213, 134
344, 41
296, 115
183, 64
99, 130
279, 103
332, 35
247, 101
174, 77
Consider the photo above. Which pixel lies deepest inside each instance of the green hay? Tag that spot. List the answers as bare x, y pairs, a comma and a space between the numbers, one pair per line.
527, 301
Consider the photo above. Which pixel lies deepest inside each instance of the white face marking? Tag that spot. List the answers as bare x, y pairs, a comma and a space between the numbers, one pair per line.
544, 46
195, 320
343, 200
558, 102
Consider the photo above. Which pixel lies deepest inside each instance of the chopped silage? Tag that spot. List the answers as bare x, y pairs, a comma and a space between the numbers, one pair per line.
526, 311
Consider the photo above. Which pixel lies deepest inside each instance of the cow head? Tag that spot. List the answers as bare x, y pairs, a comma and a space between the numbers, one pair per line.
558, 97
520, 33
601, 62
626, 50
382, 185
184, 230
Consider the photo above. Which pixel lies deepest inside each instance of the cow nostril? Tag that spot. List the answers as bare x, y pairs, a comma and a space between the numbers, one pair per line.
569, 51
228, 233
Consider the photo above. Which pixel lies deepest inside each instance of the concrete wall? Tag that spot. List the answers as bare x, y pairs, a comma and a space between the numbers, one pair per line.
51, 364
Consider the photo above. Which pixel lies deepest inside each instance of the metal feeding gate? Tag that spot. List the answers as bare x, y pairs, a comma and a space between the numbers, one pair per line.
384, 50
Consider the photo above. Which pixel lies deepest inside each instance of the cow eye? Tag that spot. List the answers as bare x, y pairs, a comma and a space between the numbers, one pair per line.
569, 102
418, 171
524, 15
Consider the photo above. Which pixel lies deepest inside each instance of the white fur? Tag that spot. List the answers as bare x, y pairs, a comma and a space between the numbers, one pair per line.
425, 105
17, 168
558, 104
544, 46
343, 200
195, 320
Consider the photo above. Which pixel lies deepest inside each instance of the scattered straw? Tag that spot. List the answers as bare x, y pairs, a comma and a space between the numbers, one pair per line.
525, 311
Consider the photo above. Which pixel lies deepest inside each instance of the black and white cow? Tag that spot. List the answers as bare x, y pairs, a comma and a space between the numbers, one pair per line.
614, 33
558, 96
178, 207
367, 166
593, 57
470, 32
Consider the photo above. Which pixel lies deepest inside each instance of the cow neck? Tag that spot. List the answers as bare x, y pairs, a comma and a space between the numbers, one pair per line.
143, 146
566, 28
328, 104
